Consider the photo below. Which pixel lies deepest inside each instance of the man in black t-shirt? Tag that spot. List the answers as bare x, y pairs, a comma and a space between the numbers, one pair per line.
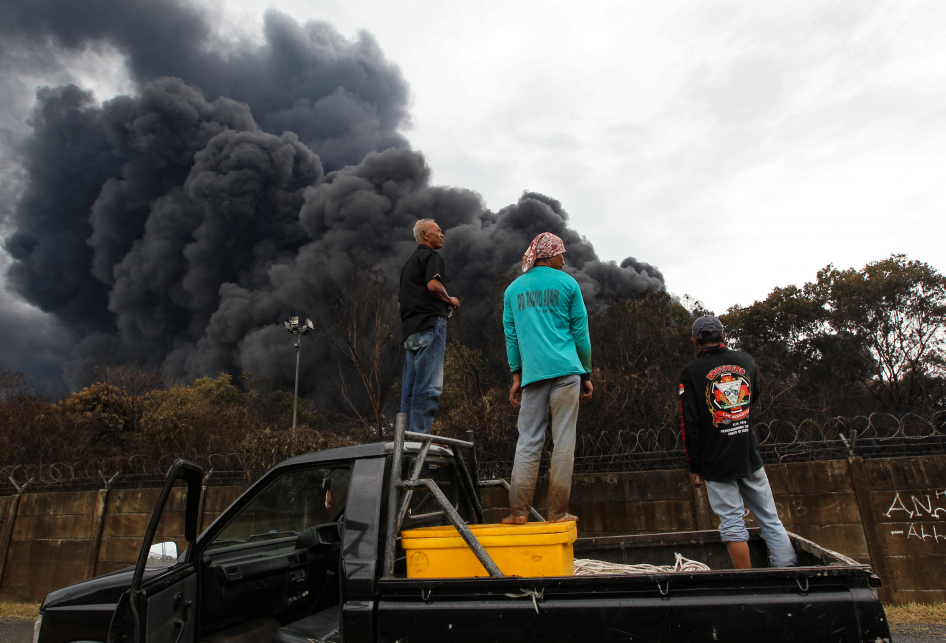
424, 306
717, 391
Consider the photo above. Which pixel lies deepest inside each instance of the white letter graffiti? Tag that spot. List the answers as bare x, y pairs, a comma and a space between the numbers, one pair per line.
919, 512
894, 507
919, 505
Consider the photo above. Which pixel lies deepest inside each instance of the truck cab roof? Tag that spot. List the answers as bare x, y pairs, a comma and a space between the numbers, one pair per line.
370, 450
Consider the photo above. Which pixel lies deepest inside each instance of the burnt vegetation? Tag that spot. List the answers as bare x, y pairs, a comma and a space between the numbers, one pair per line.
854, 355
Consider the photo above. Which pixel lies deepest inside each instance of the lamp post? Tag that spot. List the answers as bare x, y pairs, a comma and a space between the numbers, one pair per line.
295, 328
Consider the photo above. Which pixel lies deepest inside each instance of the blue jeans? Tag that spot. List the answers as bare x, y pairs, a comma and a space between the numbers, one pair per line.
724, 498
560, 396
422, 382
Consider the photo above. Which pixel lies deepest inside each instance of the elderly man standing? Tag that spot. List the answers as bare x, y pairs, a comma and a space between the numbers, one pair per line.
549, 354
424, 306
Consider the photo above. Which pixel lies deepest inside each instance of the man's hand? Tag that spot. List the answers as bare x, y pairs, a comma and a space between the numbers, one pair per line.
515, 392
696, 480
436, 289
587, 388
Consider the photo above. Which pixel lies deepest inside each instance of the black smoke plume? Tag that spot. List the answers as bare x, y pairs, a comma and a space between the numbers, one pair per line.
235, 187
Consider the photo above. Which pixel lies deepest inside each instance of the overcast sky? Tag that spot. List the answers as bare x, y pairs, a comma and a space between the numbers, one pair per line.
737, 146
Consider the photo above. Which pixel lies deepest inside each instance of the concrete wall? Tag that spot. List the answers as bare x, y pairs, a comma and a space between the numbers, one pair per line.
890, 513
908, 505
50, 542
57, 539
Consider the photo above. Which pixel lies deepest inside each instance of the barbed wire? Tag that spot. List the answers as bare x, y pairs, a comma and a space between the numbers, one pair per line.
118, 472
879, 435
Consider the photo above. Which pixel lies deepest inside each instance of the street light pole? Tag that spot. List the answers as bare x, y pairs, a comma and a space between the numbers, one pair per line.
298, 330
295, 395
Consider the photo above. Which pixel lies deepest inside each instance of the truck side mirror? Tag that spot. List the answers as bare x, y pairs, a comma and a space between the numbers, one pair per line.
327, 534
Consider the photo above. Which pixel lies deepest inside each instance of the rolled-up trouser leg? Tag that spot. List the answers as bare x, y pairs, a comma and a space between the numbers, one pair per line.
726, 503
758, 495
533, 417
563, 403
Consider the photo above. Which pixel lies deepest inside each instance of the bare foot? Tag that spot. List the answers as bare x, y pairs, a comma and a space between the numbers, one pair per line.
515, 520
566, 518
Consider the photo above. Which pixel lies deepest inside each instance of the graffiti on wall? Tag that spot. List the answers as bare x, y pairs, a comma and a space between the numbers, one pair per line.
920, 506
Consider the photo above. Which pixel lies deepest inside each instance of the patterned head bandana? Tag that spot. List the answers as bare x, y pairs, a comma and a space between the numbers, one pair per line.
542, 247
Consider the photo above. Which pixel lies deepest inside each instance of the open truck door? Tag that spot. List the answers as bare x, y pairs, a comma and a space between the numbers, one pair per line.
161, 605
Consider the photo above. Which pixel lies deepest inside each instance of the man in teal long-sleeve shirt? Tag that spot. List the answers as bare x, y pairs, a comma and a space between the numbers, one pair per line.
549, 354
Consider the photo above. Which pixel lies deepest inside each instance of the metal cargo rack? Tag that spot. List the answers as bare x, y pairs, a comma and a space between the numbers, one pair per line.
401, 492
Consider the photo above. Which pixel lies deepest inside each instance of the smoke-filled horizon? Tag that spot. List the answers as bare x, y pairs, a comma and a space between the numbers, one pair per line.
178, 225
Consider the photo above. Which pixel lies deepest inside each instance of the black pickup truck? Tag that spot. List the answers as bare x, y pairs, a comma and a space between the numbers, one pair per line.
310, 553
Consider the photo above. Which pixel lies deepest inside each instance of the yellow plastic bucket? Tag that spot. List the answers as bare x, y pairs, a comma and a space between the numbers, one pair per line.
533, 549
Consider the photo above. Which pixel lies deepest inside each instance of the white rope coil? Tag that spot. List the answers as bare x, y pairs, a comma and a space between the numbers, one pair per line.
587, 567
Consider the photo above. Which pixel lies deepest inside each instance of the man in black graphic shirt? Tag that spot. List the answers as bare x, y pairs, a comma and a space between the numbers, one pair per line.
717, 390
424, 306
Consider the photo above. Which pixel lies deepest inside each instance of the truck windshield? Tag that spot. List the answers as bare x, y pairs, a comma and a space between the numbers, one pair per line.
289, 505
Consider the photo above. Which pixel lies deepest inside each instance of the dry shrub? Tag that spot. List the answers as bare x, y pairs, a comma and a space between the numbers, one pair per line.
126, 419
123, 425
15, 609
196, 416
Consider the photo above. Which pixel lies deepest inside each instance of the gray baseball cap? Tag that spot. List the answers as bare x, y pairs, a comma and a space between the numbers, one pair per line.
707, 324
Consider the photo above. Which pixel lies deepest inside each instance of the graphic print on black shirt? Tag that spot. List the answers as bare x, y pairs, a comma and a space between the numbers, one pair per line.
728, 396
716, 390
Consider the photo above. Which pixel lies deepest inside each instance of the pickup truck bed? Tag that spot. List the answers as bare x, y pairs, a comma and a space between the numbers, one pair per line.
828, 598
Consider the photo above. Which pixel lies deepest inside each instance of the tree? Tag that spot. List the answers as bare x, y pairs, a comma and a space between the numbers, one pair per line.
880, 330
362, 326
894, 313
127, 385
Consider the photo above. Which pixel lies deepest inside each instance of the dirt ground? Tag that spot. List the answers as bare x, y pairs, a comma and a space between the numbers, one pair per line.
15, 631
914, 633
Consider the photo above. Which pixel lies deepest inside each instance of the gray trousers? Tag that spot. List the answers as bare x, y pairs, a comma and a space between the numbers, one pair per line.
726, 498
560, 396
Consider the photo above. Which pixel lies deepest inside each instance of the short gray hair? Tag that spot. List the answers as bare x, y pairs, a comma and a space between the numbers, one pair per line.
419, 228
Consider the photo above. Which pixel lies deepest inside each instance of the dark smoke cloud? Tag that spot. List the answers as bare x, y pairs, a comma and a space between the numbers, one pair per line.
177, 226
341, 98
363, 215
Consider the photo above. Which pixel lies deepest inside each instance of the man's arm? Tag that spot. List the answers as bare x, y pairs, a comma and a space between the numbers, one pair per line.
578, 318
440, 293
578, 321
435, 270
690, 428
515, 391
512, 339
